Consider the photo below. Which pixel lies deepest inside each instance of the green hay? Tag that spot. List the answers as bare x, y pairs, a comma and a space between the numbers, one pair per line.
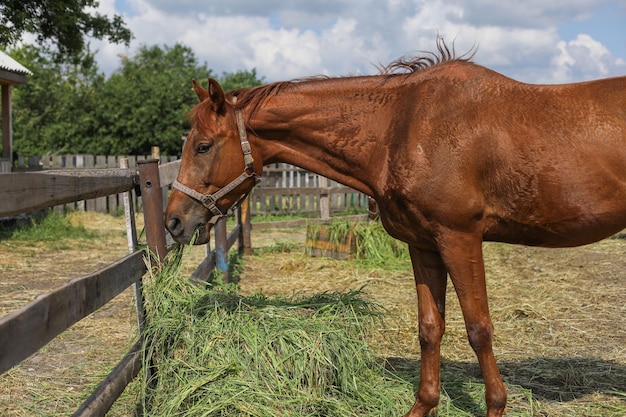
217, 353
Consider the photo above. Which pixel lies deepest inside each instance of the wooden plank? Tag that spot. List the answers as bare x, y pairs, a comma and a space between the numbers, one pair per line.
13, 77
204, 270
302, 222
23, 192
101, 400
28, 329
321, 245
7, 121
271, 169
90, 205
6, 166
232, 237
56, 161
282, 191
113, 202
79, 162
101, 202
168, 172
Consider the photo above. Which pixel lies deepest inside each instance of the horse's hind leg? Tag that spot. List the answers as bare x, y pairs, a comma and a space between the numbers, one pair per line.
430, 280
462, 254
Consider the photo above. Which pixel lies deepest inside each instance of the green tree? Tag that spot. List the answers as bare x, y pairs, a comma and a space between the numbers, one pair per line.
240, 79
53, 112
65, 23
73, 108
146, 101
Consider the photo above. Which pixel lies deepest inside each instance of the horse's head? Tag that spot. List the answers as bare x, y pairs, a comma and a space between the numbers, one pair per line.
217, 168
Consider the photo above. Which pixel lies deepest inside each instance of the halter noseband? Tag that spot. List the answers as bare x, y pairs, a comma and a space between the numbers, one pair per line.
210, 200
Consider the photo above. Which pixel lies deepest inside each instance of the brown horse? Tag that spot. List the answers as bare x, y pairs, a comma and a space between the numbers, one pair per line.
453, 153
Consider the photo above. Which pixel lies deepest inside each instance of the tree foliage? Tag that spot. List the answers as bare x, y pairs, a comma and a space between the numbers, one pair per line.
73, 108
65, 23
146, 101
239, 79
54, 111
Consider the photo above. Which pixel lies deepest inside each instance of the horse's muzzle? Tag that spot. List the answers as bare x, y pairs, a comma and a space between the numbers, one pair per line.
187, 230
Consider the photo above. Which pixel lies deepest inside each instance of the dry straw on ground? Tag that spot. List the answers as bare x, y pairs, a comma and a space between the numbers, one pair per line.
560, 318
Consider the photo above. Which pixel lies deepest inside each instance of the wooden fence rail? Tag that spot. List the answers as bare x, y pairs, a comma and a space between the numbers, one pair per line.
28, 329
111, 203
284, 189
23, 192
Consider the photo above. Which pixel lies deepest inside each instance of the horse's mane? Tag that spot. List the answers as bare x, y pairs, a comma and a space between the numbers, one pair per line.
254, 96
410, 65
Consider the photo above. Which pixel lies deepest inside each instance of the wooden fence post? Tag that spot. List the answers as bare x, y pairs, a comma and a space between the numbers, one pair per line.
221, 247
131, 237
152, 207
324, 198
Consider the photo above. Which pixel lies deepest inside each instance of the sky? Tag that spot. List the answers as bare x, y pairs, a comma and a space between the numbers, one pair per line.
536, 41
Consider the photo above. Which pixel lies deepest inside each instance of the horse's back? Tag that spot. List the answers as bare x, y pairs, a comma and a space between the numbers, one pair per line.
568, 166
541, 164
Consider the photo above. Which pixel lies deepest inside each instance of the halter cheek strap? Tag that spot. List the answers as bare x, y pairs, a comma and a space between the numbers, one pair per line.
210, 200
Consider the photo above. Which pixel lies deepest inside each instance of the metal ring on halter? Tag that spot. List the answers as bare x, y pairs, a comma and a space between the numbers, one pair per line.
210, 200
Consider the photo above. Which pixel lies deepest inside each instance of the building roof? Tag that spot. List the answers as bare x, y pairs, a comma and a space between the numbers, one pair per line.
9, 64
12, 71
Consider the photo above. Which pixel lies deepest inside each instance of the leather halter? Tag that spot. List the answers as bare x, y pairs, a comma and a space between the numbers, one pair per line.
210, 200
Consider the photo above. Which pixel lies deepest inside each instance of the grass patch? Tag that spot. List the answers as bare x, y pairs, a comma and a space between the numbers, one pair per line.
48, 227
218, 353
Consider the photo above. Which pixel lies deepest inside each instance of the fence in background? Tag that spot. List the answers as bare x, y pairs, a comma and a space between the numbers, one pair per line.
284, 189
287, 189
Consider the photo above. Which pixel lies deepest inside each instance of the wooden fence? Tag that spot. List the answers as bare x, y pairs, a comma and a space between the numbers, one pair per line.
28, 329
111, 204
284, 188
287, 189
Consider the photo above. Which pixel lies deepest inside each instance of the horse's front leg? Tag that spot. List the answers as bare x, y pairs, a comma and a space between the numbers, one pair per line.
430, 281
462, 254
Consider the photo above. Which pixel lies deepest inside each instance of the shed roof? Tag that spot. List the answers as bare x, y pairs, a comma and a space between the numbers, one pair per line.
12, 71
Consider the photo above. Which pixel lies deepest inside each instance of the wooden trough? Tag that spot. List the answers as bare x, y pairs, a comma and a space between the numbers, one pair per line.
320, 241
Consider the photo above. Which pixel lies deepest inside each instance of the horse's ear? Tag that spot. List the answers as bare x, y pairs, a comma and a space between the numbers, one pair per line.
200, 92
216, 94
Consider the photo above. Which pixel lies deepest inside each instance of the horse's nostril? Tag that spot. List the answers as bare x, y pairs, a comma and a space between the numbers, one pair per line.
175, 226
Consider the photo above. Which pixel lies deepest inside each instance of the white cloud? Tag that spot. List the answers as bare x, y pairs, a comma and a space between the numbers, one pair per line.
286, 53
584, 58
285, 40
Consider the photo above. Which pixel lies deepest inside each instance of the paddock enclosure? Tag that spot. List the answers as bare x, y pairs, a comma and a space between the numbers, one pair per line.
548, 347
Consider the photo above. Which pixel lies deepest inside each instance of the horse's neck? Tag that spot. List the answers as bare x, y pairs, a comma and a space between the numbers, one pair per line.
335, 132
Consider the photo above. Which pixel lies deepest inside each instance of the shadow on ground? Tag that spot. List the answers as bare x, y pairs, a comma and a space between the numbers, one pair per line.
542, 379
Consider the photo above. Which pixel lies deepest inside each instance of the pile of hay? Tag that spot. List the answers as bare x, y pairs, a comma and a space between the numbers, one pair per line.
217, 353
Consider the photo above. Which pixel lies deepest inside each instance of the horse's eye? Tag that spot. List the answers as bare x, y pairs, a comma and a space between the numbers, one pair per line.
203, 147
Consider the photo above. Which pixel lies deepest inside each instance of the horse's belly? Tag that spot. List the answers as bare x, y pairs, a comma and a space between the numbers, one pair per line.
566, 232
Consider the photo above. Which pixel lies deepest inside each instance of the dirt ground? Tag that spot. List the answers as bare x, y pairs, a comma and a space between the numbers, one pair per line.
560, 318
